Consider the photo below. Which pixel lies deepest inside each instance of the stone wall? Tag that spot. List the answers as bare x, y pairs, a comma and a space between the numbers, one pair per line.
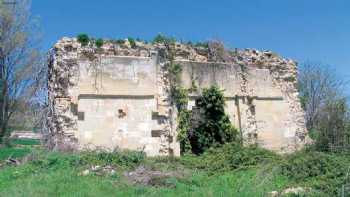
118, 96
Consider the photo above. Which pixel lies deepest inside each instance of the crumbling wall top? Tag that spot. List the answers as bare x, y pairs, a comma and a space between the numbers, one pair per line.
213, 52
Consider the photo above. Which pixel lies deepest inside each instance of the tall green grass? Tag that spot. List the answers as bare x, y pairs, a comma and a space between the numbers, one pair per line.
67, 182
226, 171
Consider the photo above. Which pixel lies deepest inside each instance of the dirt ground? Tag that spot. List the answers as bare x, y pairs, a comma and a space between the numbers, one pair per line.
145, 176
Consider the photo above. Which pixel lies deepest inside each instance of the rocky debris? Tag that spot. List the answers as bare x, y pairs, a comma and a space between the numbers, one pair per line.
99, 171
295, 190
85, 172
69, 48
273, 194
11, 161
26, 135
144, 176
290, 191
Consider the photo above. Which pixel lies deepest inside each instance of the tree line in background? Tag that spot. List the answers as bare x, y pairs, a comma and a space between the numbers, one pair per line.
322, 94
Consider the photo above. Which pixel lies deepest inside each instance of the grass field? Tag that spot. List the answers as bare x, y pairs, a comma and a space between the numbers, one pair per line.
222, 172
64, 180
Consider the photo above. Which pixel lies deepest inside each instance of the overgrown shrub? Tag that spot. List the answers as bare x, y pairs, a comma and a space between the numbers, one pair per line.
214, 126
202, 44
83, 39
321, 171
198, 44
160, 38
120, 41
233, 156
60, 160
132, 42
121, 158
99, 43
210, 127
53, 160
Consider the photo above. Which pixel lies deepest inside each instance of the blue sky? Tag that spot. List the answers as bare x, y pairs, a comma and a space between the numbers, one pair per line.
304, 30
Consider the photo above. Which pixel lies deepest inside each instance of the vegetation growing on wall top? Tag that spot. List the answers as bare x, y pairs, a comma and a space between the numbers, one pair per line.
132, 42
83, 39
99, 43
160, 38
120, 41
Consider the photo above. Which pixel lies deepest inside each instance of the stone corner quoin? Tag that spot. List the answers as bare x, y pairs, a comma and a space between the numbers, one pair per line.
118, 95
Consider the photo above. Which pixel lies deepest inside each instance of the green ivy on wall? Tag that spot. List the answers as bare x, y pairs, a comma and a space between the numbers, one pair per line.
214, 126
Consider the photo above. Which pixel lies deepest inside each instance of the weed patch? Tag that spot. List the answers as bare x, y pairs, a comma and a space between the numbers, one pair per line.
321, 171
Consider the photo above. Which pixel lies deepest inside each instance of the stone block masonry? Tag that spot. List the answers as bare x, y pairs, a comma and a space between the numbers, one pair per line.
117, 96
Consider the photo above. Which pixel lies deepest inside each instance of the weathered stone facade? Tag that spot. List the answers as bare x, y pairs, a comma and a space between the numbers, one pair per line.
118, 95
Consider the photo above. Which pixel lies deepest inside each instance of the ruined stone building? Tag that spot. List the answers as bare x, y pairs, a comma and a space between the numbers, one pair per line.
118, 95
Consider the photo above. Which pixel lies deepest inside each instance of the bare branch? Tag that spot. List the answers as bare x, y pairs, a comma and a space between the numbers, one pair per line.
19, 62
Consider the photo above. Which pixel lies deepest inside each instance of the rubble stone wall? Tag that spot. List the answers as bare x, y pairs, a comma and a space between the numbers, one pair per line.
118, 96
